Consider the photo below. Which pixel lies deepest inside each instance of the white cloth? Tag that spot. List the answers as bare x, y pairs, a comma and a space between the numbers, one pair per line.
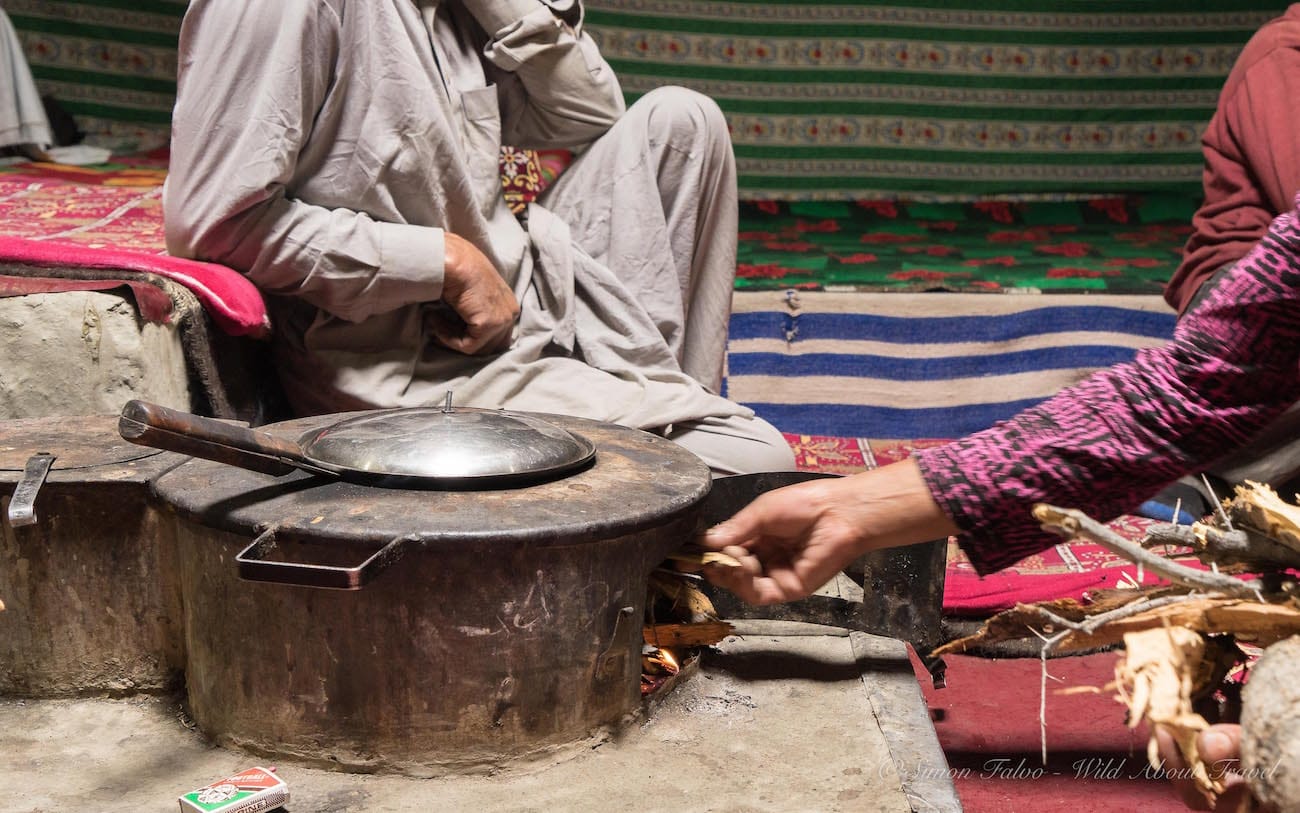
79, 155
22, 115
323, 147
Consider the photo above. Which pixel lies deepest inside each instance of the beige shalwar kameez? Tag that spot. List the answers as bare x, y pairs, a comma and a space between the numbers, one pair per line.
323, 147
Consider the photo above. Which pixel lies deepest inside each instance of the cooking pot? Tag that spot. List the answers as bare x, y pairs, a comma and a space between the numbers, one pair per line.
509, 628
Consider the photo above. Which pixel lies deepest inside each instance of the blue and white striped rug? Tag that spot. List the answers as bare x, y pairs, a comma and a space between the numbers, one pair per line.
928, 365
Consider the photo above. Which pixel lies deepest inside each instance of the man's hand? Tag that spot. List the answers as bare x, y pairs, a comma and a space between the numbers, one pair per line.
792, 540
479, 296
1220, 750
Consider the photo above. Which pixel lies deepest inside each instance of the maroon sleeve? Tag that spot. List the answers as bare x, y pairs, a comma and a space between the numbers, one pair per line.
1119, 436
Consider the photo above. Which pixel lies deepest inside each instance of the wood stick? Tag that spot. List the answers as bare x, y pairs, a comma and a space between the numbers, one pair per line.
1069, 522
670, 635
700, 558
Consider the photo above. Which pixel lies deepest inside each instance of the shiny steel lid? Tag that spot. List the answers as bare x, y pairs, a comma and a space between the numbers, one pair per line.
483, 446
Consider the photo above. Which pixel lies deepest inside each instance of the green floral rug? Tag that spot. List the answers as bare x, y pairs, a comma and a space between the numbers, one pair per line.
1128, 245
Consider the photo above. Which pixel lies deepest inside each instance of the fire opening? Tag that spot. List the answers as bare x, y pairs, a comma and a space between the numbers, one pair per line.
680, 623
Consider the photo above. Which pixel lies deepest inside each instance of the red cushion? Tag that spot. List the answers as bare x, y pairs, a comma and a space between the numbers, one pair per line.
234, 303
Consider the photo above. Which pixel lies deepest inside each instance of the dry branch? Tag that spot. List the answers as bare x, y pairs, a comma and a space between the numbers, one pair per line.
1071, 523
692, 559
1260, 507
1243, 546
1249, 620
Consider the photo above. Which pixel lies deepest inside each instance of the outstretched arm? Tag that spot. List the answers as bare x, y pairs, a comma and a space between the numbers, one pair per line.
793, 540
1103, 445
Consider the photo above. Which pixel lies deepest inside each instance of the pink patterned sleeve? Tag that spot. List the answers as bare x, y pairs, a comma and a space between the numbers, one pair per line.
1124, 433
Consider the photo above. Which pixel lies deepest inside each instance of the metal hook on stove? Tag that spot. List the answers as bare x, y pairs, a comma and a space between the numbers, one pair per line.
446, 405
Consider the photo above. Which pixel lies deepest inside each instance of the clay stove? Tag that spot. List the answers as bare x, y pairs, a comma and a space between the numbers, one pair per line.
505, 623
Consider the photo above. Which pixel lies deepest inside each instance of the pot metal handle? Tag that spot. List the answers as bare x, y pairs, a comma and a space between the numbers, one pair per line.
611, 663
253, 566
22, 506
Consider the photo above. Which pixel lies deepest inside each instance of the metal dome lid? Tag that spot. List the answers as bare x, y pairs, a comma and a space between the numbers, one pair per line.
445, 444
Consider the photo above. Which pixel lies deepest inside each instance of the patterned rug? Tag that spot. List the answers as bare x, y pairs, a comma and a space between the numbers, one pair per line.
908, 365
111, 206
64, 227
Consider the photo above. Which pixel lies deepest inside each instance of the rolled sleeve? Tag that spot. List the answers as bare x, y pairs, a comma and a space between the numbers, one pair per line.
556, 89
524, 38
411, 269
505, 18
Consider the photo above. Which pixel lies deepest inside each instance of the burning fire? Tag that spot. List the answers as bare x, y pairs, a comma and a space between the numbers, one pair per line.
656, 661
657, 667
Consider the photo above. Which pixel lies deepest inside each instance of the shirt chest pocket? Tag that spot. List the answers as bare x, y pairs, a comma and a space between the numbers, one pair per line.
481, 135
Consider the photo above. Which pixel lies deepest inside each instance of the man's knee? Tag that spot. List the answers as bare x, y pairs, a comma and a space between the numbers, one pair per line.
681, 116
736, 445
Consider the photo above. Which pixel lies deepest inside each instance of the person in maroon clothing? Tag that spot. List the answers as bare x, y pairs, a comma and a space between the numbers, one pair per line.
1251, 149
1103, 446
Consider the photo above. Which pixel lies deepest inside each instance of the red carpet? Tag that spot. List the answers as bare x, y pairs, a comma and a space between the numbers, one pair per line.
987, 717
1068, 570
103, 220
987, 722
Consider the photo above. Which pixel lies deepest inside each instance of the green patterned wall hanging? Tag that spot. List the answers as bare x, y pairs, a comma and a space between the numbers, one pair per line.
831, 100
110, 63
957, 98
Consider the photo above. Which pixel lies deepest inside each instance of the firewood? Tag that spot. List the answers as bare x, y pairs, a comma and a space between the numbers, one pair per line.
1270, 727
689, 603
685, 635
1072, 523
1243, 548
1260, 507
1156, 680
696, 559
1250, 620
1181, 640
1254, 621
